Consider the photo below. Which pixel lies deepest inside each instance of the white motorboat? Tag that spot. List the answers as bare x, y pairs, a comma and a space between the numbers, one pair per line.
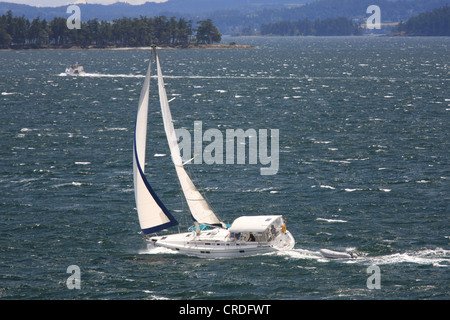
210, 237
75, 70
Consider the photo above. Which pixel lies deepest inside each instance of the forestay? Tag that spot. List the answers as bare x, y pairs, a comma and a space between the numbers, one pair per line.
198, 206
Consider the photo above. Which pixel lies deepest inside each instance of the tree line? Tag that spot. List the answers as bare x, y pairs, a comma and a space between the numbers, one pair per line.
306, 27
19, 32
434, 23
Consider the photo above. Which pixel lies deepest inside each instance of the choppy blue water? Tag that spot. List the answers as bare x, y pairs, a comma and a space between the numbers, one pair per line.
364, 164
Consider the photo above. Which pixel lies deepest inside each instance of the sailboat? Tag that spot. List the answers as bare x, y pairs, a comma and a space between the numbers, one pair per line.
209, 237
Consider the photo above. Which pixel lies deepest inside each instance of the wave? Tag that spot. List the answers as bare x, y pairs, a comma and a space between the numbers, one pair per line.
369, 189
270, 189
435, 257
71, 184
331, 220
158, 250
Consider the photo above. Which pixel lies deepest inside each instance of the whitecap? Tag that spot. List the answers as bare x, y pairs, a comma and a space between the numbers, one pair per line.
153, 296
116, 129
158, 250
339, 161
351, 190
259, 189
332, 220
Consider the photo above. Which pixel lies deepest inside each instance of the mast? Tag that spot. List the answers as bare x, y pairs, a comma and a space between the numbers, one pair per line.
200, 210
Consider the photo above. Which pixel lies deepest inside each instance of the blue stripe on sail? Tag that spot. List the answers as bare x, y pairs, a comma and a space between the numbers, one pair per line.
160, 227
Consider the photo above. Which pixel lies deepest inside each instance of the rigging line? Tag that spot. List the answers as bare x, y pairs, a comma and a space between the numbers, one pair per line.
201, 188
188, 161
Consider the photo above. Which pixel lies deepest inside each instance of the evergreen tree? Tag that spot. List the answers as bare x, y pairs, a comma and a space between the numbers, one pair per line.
207, 32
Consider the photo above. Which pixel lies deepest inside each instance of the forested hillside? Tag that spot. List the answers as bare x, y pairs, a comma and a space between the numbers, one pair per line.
238, 16
18, 32
434, 23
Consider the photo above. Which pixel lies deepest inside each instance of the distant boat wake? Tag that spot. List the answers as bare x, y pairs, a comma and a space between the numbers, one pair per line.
104, 75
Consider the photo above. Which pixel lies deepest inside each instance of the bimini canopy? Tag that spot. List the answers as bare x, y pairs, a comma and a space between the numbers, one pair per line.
254, 223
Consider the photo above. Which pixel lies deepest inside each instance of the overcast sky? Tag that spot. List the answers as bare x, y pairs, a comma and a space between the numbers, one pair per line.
58, 3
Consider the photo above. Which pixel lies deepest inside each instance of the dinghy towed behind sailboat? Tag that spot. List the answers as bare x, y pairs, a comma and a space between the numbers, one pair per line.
247, 235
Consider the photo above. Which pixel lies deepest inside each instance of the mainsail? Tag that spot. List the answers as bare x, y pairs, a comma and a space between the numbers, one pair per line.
198, 206
153, 215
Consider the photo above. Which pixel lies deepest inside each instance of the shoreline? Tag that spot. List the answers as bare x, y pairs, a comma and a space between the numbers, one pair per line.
193, 46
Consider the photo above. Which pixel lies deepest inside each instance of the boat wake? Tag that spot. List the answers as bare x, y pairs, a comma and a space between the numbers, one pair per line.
436, 257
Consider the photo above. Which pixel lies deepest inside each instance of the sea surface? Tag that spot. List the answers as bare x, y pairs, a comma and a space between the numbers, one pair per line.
364, 165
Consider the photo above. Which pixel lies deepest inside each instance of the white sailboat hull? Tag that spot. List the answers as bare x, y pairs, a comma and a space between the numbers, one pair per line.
217, 243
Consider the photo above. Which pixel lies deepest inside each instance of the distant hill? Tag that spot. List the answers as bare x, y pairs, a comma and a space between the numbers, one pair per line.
391, 10
434, 23
150, 9
239, 16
